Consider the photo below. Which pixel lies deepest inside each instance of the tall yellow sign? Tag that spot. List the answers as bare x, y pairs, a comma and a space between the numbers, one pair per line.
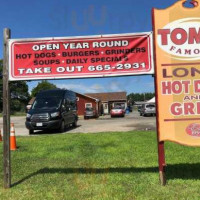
177, 55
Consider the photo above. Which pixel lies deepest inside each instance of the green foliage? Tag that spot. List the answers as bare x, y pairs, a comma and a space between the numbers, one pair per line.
16, 105
132, 97
1, 85
18, 91
44, 85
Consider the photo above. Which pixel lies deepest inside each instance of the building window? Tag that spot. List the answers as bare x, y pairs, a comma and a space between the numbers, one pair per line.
122, 105
88, 105
105, 106
77, 98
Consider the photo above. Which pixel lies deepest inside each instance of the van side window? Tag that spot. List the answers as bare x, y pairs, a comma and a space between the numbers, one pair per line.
70, 100
63, 105
67, 103
73, 105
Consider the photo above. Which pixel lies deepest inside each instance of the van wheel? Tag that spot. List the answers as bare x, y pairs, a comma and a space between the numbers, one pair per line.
62, 127
31, 131
74, 123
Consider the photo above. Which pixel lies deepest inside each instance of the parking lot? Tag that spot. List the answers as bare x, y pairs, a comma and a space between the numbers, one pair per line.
132, 121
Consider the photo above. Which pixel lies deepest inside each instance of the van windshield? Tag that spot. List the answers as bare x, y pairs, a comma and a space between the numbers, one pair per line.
46, 103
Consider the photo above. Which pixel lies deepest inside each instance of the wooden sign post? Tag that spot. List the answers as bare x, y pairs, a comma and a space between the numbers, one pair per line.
6, 112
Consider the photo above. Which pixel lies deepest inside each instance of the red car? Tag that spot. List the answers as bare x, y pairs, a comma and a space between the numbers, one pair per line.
117, 111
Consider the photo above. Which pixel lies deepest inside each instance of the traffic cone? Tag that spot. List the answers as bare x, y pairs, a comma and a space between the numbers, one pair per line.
0, 136
13, 145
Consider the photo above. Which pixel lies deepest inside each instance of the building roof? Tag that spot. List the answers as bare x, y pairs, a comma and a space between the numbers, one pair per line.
88, 96
109, 96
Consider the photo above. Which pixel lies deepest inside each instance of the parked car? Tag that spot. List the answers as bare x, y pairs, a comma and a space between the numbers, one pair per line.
117, 111
148, 109
139, 108
52, 109
90, 113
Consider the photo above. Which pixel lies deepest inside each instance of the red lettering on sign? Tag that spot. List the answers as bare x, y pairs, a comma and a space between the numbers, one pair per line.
176, 109
179, 36
164, 33
194, 37
179, 32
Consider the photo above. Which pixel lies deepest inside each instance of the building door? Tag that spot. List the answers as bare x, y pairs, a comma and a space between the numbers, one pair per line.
110, 107
105, 106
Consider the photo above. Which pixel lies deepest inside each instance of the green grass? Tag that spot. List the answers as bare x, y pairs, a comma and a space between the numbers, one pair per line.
100, 166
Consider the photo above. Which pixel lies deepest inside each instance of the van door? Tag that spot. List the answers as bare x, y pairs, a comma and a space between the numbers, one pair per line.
69, 109
64, 111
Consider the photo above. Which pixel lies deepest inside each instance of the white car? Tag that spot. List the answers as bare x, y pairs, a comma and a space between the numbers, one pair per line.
148, 109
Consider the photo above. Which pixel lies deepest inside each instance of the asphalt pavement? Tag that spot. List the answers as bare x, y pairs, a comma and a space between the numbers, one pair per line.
131, 121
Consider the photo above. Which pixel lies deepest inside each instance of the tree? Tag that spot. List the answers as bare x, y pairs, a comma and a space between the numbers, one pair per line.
1, 85
44, 85
132, 97
18, 93
19, 96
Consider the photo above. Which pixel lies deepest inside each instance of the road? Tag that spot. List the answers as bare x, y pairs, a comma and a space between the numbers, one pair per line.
130, 122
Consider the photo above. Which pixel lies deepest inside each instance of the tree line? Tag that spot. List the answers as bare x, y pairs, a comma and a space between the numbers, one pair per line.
19, 94
133, 97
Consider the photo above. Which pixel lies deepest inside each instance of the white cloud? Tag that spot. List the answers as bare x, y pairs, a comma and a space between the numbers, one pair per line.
113, 86
150, 84
81, 88
117, 86
97, 87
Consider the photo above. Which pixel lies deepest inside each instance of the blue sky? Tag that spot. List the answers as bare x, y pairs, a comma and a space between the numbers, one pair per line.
60, 18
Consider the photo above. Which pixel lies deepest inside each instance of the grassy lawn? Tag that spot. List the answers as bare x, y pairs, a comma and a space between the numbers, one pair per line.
103, 166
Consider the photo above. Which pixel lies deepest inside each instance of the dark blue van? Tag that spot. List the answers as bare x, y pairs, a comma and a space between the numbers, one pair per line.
52, 109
